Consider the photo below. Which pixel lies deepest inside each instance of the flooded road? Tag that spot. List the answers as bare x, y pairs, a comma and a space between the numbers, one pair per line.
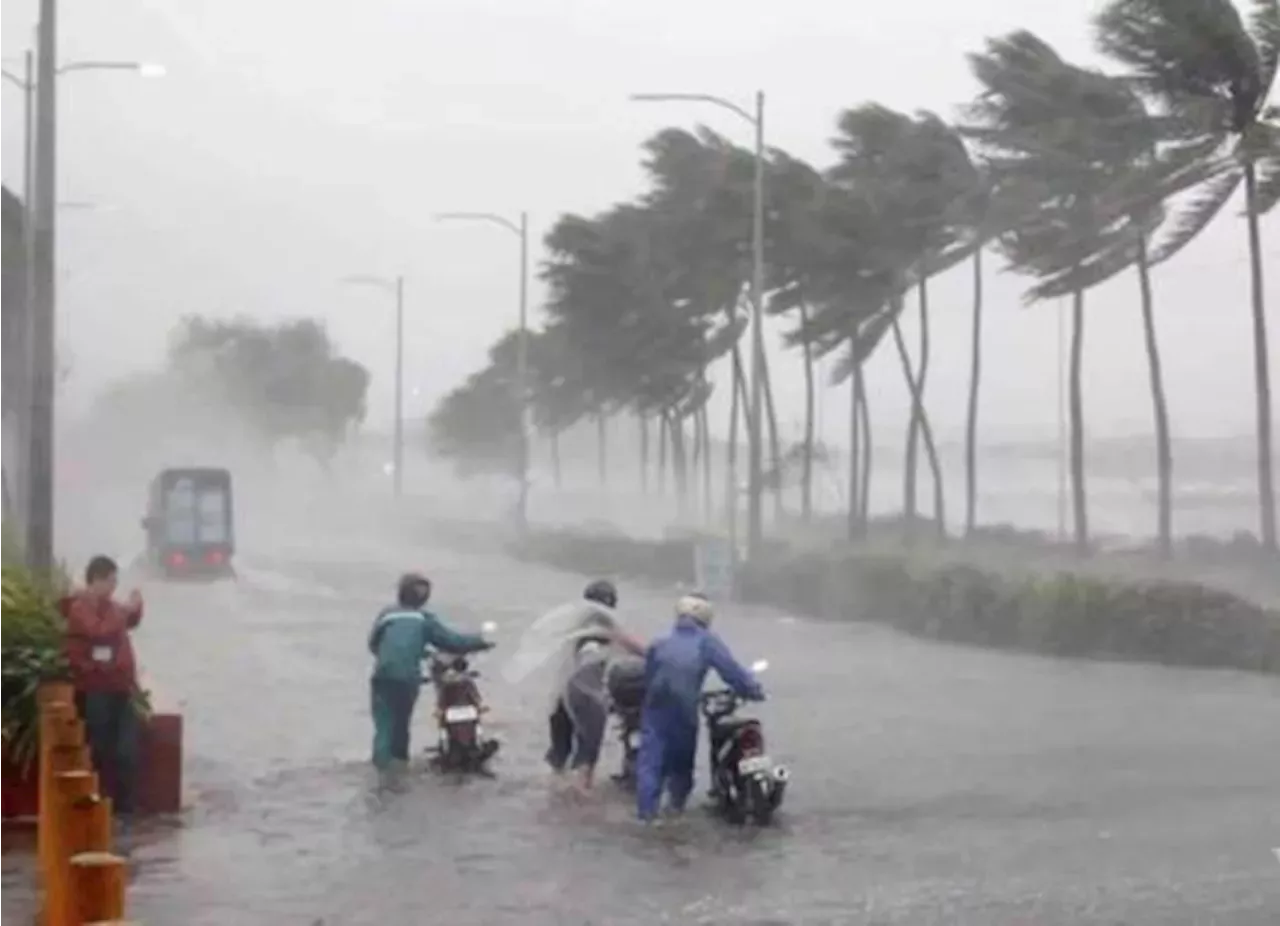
932, 784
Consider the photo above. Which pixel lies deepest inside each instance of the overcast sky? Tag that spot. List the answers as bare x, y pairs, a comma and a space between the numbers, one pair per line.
293, 142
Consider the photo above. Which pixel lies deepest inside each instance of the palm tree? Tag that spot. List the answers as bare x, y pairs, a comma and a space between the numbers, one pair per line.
615, 299
917, 175
792, 230
1209, 74
1071, 147
702, 189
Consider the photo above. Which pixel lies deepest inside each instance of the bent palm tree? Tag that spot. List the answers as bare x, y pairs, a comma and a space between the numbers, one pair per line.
1209, 74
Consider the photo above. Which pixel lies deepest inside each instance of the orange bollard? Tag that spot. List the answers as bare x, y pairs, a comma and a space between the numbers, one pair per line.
97, 882
64, 753
69, 787
53, 692
62, 749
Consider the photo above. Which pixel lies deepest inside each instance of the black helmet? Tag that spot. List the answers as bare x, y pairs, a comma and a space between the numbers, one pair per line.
602, 591
414, 590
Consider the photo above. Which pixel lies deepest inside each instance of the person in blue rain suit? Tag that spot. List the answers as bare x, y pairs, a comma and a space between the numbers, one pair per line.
398, 639
675, 668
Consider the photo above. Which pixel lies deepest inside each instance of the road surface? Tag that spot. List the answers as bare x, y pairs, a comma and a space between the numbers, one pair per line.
932, 784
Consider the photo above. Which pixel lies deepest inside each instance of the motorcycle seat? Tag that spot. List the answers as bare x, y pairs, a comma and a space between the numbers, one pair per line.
736, 723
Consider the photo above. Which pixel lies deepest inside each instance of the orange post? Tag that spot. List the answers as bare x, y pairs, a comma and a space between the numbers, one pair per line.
83, 882
97, 885
62, 749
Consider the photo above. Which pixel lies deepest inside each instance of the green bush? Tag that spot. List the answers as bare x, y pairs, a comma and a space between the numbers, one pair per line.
1061, 614
31, 648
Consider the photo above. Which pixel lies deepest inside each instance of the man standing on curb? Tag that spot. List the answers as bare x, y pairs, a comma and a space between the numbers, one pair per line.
105, 676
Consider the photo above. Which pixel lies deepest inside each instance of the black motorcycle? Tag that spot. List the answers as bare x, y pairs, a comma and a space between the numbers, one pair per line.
748, 784
625, 681
462, 746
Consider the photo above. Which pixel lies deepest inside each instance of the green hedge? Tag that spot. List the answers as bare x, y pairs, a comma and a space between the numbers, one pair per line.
1064, 614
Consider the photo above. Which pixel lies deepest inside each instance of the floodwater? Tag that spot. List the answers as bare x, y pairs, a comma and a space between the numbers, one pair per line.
931, 784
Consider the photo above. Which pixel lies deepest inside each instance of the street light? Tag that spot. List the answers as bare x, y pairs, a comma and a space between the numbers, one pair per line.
39, 328
755, 480
521, 231
395, 288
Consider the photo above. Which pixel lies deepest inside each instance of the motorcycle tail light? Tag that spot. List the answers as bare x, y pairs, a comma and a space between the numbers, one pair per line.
750, 740
177, 560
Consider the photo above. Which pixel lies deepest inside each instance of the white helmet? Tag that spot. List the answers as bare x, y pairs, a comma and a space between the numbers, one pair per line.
696, 608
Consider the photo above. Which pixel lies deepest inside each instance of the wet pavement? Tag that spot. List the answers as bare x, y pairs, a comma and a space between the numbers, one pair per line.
932, 784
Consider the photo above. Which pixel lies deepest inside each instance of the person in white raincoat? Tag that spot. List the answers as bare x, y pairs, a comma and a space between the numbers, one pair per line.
580, 699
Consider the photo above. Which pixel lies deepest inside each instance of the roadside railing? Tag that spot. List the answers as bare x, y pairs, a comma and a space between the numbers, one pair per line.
82, 880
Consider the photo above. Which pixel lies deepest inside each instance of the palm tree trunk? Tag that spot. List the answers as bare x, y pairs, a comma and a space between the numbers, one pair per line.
695, 461
916, 383
643, 421
556, 470
662, 454
731, 452
854, 522
926, 432
971, 420
1261, 365
708, 503
775, 445
602, 447
864, 419
1079, 498
1160, 405
680, 461
810, 393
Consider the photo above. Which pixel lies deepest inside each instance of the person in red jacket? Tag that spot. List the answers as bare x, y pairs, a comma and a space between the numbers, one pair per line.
105, 676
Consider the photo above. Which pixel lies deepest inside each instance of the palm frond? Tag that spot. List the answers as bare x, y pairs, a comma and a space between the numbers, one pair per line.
1206, 202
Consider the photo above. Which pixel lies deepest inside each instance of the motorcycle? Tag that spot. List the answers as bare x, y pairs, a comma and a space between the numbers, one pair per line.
748, 784
626, 697
462, 746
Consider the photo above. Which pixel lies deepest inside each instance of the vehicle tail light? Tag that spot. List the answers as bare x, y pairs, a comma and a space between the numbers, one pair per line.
215, 557
177, 559
749, 740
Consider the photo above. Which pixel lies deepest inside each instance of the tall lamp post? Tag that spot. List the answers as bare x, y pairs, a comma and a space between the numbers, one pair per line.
521, 230
41, 184
395, 288
755, 477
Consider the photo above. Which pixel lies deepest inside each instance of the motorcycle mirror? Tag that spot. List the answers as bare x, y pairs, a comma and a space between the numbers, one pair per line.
488, 629
759, 665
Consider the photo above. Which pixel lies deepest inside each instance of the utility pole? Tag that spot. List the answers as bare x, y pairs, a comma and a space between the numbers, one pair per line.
398, 451
44, 297
755, 477
522, 377
28, 282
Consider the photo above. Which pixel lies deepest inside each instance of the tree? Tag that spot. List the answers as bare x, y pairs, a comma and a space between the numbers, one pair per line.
617, 297
918, 179
1209, 75
793, 231
702, 189
281, 381
478, 423
1072, 147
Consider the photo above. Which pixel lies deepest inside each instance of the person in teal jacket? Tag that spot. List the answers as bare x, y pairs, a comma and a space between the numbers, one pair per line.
398, 639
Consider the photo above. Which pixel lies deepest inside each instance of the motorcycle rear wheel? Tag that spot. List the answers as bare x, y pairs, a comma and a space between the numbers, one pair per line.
760, 803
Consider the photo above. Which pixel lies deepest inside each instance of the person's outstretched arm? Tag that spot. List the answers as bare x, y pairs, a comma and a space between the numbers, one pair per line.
443, 637
375, 633
737, 676
633, 645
